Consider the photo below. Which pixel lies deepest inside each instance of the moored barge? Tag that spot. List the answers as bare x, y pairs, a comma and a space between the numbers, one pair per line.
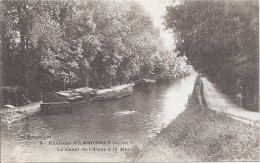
164, 79
67, 101
145, 84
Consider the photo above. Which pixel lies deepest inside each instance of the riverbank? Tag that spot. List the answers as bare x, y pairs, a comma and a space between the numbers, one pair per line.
201, 134
20, 113
33, 109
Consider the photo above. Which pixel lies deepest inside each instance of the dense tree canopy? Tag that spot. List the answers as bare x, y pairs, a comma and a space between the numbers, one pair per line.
52, 45
220, 38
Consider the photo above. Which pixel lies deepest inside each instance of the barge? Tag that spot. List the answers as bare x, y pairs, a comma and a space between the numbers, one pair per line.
164, 79
145, 84
113, 93
68, 101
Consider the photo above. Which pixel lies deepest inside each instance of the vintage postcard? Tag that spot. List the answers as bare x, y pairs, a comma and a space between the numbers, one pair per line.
129, 80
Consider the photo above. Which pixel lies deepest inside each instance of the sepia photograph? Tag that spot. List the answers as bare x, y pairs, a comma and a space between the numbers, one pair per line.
129, 81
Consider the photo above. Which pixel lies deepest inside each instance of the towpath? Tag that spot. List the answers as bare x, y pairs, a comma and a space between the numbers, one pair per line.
219, 102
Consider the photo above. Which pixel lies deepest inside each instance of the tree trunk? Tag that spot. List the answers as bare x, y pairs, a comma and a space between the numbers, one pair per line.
110, 80
87, 78
23, 28
23, 54
93, 78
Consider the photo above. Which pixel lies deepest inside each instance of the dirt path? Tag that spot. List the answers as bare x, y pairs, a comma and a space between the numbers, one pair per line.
219, 102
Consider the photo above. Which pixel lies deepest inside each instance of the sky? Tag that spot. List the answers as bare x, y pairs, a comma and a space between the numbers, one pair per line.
157, 8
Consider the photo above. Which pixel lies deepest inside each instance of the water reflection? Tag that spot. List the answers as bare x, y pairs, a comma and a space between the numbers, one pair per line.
136, 119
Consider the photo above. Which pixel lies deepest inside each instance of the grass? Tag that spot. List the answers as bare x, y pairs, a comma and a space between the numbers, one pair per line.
201, 134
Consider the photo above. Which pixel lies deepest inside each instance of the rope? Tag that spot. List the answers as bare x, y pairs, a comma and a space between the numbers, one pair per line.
45, 111
39, 114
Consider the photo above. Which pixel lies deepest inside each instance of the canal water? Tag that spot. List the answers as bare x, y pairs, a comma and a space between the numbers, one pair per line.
100, 132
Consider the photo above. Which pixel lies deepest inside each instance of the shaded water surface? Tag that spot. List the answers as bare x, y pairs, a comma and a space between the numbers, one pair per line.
131, 121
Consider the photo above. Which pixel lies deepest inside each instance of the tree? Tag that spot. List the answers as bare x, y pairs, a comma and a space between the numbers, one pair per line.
54, 45
220, 38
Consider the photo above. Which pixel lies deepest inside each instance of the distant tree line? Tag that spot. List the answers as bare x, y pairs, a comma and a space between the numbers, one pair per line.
55, 45
220, 39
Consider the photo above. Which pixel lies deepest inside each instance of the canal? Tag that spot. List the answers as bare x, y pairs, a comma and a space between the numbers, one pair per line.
101, 132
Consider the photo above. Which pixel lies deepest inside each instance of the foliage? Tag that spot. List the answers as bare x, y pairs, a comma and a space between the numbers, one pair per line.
53, 45
220, 38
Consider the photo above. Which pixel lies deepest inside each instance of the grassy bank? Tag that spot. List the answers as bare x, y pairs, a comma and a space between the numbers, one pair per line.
201, 134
